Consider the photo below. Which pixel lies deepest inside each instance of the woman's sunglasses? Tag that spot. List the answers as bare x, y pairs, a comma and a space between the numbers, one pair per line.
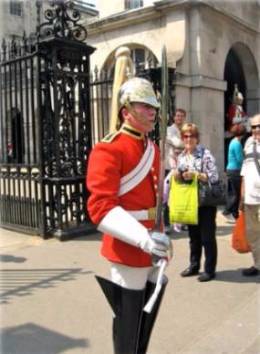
187, 136
256, 126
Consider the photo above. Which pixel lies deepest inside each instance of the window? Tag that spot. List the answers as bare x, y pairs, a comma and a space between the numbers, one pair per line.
133, 4
142, 58
16, 7
138, 57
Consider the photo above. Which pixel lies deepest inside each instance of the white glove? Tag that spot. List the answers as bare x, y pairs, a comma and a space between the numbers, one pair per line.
123, 226
162, 245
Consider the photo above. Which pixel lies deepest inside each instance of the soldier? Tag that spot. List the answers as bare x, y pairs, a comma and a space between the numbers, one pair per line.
236, 113
122, 178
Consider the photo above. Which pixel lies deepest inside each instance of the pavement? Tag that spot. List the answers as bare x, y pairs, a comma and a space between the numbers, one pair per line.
51, 302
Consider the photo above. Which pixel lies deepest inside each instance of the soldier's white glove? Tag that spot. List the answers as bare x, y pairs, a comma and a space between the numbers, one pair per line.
120, 224
162, 246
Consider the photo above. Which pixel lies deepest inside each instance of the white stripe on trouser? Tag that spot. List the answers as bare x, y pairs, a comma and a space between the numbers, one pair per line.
132, 277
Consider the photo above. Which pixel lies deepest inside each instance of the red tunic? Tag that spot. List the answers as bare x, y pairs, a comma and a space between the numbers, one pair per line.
234, 111
108, 163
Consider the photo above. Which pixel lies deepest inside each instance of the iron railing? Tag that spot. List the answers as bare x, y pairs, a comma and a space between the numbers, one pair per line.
52, 112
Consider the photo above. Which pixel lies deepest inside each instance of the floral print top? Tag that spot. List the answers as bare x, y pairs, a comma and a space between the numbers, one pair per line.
201, 160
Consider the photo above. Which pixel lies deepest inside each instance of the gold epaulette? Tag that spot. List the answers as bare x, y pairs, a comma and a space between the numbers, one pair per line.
110, 137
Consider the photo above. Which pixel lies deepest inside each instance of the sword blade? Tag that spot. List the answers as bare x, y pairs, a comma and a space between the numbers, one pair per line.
163, 129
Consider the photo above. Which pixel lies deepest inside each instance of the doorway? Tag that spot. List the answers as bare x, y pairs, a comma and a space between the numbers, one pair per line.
233, 75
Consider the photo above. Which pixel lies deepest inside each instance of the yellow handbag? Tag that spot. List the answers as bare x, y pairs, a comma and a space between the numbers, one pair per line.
183, 201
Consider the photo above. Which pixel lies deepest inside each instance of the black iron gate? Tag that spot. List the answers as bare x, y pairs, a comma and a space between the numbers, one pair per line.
52, 111
45, 128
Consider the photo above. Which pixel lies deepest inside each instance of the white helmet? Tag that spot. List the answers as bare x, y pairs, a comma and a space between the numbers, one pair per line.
137, 90
237, 96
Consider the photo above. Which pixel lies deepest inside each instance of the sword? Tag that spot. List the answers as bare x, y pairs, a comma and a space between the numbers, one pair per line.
159, 209
163, 129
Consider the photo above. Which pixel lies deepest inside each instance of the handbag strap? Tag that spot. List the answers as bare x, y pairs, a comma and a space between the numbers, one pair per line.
202, 156
255, 158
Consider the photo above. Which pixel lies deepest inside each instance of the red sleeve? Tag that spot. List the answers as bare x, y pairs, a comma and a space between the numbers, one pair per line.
103, 180
231, 113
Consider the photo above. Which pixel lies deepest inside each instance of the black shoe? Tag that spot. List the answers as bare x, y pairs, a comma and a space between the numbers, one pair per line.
252, 271
206, 277
189, 272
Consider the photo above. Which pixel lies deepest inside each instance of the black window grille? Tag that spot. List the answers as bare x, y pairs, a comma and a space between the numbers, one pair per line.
138, 57
16, 8
133, 4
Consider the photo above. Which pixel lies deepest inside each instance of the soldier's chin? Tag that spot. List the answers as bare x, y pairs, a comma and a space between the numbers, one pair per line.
146, 127
150, 127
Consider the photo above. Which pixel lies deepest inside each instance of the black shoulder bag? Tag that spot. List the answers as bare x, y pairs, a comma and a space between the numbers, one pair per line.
211, 194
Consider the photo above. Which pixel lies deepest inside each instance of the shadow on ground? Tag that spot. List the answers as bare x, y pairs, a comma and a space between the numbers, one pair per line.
23, 282
235, 276
12, 259
31, 339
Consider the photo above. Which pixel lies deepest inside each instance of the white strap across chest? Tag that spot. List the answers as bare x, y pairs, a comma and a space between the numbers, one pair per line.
134, 177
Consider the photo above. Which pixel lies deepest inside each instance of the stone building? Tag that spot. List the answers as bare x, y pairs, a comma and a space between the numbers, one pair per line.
20, 16
17, 17
212, 45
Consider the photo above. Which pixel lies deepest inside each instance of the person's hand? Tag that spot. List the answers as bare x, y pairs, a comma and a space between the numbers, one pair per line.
187, 175
177, 175
162, 246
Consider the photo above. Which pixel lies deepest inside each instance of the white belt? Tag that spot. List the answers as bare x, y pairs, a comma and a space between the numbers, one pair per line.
145, 214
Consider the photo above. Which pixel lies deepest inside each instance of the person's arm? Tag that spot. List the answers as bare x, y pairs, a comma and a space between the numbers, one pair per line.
242, 187
238, 152
242, 195
103, 181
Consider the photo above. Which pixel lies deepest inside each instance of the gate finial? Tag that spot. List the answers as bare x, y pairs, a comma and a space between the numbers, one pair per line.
62, 22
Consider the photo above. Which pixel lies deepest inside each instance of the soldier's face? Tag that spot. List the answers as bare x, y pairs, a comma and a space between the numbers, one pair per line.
140, 116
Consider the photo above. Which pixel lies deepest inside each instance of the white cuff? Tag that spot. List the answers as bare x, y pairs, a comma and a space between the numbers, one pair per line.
123, 226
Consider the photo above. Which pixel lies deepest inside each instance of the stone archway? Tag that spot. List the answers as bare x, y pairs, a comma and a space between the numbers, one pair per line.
142, 57
233, 75
241, 69
244, 62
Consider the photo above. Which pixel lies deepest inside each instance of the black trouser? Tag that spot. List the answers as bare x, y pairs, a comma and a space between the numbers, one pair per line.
233, 192
204, 235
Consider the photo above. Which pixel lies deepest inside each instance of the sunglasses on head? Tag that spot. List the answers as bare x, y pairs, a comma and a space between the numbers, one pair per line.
256, 126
